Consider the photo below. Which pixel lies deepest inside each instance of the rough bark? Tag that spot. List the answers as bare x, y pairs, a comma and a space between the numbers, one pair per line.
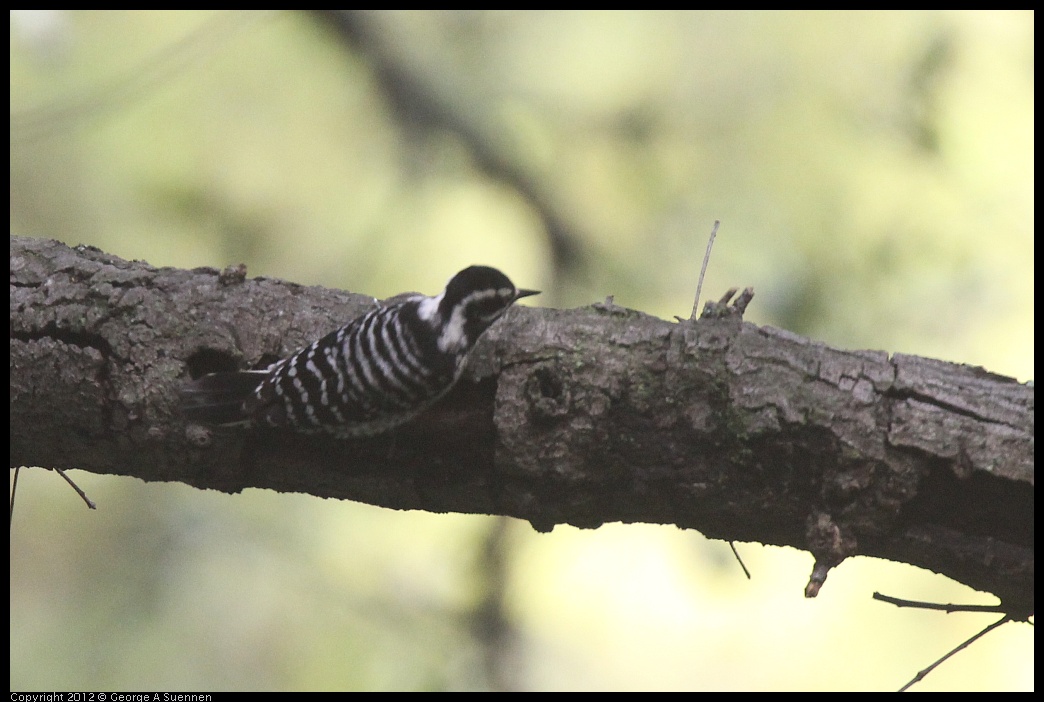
580, 416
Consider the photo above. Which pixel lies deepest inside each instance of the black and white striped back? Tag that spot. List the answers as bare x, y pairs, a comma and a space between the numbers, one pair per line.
378, 371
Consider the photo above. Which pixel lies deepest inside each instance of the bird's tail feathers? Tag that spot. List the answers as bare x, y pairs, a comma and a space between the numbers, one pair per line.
218, 398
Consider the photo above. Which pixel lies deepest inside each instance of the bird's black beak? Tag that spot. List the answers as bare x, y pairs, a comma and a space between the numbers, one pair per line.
525, 293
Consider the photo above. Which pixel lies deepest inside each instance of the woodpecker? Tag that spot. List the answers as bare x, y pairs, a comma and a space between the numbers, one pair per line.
371, 375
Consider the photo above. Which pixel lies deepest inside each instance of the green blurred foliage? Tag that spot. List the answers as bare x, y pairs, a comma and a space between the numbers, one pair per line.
873, 172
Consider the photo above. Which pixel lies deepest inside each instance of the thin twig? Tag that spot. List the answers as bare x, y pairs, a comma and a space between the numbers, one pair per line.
14, 489
921, 675
76, 487
703, 271
743, 565
59, 471
948, 608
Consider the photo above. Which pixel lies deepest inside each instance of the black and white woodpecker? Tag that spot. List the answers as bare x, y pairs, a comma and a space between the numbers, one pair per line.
371, 375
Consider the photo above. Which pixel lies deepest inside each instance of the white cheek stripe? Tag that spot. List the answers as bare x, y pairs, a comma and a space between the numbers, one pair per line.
452, 337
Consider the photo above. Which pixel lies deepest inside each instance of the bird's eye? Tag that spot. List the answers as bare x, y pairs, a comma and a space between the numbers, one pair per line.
488, 309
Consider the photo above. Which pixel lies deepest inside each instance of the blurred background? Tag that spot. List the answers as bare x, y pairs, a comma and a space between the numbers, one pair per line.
873, 172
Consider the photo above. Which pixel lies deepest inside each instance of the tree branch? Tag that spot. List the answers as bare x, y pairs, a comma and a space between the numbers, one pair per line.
581, 416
